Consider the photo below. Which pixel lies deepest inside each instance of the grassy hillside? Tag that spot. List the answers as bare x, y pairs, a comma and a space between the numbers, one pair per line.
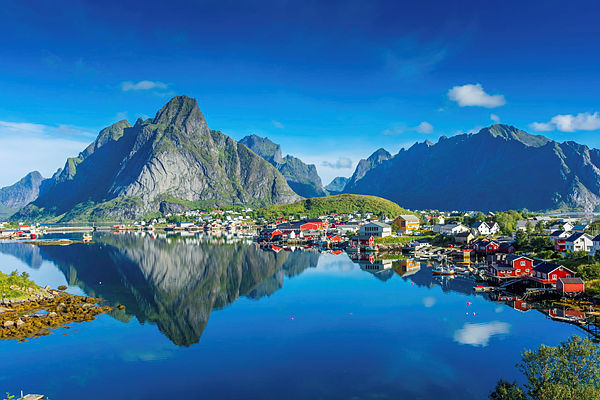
339, 204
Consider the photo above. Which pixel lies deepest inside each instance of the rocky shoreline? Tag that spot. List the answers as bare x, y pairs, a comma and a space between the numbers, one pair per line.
44, 312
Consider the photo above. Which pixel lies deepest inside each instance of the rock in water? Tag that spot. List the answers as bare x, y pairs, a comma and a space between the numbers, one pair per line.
173, 158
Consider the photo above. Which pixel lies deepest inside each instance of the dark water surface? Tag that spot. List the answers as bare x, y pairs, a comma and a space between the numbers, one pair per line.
215, 319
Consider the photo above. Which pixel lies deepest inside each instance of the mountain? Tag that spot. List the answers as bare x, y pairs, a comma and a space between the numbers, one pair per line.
337, 185
18, 195
364, 166
498, 168
169, 163
302, 178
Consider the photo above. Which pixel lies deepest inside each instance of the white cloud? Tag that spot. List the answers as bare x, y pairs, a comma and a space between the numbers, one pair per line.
495, 118
44, 147
479, 335
142, 85
429, 301
396, 130
277, 124
569, 123
340, 163
474, 95
424, 127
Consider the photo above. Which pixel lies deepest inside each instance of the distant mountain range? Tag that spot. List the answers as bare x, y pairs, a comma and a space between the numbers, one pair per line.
174, 162
167, 163
302, 178
498, 168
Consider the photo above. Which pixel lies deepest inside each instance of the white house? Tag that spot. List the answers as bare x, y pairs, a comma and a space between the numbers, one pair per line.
453, 229
578, 242
378, 229
485, 228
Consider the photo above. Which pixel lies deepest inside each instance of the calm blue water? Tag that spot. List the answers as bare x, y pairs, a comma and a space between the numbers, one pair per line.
231, 321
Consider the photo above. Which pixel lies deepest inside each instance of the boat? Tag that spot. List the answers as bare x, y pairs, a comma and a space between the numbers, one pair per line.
87, 237
441, 270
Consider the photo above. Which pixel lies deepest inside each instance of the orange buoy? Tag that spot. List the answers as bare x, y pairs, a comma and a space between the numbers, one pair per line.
468, 303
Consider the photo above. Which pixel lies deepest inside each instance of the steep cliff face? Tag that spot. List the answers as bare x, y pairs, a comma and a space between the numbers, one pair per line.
498, 168
364, 166
171, 158
302, 178
13, 197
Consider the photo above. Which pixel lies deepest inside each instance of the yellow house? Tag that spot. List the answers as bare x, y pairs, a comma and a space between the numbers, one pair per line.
406, 223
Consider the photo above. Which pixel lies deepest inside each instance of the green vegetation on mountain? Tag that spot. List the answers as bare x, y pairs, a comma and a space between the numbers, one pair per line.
339, 204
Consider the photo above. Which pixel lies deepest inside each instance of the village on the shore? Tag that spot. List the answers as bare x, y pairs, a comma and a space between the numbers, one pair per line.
544, 253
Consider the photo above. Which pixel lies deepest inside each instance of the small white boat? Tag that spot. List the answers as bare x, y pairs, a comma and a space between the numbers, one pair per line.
441, 270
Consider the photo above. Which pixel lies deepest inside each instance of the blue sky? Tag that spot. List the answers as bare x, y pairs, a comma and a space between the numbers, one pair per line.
330, 81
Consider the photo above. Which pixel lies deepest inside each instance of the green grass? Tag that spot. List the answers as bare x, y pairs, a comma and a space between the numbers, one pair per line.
12, 286
339, 204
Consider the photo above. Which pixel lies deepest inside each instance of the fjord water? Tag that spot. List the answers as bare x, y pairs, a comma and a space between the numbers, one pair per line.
220, 319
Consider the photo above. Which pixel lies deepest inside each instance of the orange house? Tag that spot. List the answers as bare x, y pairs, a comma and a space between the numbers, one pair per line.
406, 223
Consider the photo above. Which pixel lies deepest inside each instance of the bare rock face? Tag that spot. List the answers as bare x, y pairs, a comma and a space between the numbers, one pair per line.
171, 158
302, 178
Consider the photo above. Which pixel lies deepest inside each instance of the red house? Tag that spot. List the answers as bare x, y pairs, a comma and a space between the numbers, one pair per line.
549, 272
522, 265
502, 271
570, 285
485, 246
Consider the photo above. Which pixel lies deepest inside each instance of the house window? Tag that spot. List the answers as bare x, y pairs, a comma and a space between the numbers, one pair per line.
522, 263
553, 276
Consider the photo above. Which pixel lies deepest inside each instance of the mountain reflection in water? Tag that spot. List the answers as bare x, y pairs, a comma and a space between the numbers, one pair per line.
174, 282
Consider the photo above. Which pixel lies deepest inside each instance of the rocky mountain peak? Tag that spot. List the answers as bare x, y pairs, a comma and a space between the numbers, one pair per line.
379, 155
509, 132
181, 111
264, 147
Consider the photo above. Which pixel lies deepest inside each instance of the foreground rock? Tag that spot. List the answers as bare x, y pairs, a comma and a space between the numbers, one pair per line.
43, 313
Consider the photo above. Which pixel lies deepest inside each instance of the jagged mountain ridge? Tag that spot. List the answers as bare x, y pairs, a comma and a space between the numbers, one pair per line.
171, 159
364, 166
498, 168
302, 178
21, 193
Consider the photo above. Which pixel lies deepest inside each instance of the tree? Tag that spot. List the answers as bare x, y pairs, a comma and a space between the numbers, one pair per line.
507, 391
521, 239
569, 371
529, 227
539, 227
